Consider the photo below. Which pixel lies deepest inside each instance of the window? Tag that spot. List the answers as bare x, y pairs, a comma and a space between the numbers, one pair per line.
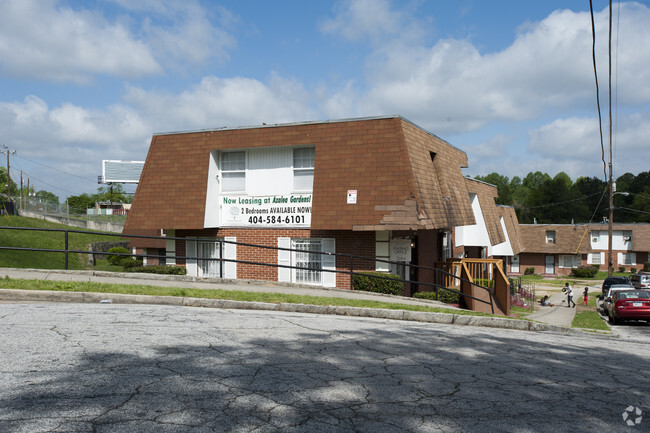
550, 237
299, 261
595, 259
233, 171
303, 168
595, 236
382, 251
570, 261
626, 259
627, 236
307, 262
446, 246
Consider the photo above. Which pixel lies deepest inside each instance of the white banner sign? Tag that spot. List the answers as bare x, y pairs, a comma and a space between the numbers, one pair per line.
291, 210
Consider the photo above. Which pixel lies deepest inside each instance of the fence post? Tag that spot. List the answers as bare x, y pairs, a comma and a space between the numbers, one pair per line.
66, 250
351, 273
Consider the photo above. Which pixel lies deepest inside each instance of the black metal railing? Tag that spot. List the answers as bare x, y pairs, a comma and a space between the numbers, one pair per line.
439, 275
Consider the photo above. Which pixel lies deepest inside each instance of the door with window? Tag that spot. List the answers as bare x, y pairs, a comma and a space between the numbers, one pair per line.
514, 264
549, 266
307, 261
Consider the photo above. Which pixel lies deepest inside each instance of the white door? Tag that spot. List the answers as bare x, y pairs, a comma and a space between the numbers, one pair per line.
549, 268
514, 264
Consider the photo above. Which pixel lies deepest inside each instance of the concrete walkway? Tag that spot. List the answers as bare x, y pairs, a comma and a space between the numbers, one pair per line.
555, 319
559, 314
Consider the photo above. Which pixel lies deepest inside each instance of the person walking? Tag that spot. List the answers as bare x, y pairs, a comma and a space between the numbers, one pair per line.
585, 297
569, 295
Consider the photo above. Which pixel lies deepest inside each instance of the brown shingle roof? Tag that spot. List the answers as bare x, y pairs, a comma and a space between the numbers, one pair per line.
387, 160
575, 238
569, 238
512, 226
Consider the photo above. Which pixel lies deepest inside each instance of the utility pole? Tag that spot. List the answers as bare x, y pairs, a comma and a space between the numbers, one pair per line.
8, 152
610, 264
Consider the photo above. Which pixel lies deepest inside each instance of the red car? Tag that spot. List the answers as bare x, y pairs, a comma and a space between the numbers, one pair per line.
629, 305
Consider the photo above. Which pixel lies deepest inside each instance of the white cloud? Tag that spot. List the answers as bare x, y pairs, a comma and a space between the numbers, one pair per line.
360, 19
452, 87
45, 41
40, 40
217, 102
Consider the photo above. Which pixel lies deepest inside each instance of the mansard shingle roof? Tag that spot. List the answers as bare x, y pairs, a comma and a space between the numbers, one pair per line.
405, 177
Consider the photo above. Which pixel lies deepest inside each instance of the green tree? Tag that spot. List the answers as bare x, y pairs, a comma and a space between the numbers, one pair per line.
503, 187
79, 203
117, 195
595, 200
12, 185
47, 197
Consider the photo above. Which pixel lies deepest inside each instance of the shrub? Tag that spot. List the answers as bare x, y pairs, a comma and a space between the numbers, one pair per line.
621, 268
167, 270
584, 272
368, 283
117, 259
484, 282
646, 267
633, 270
130, 262
529, 271
446, 296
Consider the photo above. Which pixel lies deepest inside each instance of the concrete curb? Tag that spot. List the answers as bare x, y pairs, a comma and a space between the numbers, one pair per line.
405, 315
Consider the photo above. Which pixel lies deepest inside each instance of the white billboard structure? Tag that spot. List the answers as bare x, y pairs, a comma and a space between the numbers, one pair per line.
121, 171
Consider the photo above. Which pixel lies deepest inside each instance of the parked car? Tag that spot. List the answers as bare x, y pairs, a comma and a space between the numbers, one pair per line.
613, 280
629, 305
641, 280
607, 298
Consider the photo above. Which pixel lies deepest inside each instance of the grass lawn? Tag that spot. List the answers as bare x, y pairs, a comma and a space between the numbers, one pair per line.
50, 240
235, 295
587, 317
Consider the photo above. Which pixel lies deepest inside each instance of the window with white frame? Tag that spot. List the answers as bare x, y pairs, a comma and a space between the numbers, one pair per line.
300, 262
303, 168
382, 251
595, 258
627, 236
446, 246
233, 171
626, 259
550, 236
595, 236
570, 261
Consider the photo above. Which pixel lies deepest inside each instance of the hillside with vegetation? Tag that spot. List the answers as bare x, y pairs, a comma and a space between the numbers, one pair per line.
49, 239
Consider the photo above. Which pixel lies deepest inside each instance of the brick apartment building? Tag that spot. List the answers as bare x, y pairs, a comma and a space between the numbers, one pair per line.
554, 249
363, 186
379, 187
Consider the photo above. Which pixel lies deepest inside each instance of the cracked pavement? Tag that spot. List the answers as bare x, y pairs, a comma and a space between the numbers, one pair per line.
151, 368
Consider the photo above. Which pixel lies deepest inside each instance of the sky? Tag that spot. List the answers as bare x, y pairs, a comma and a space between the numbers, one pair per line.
511, 83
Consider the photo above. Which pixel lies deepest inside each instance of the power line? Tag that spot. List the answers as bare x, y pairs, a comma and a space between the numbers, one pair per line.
593, 56
559, 203
58, 169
